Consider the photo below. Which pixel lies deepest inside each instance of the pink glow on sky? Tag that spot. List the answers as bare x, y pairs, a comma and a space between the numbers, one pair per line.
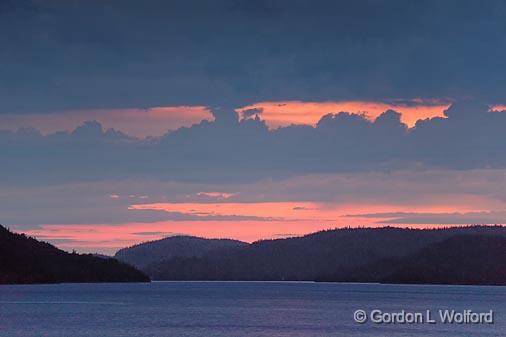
141, 123
109, 238
156, 121
252, 211
283, 113
278, 220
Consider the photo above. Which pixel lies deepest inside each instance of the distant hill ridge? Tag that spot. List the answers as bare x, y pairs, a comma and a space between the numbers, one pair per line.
334, 255
144, 254
25, 260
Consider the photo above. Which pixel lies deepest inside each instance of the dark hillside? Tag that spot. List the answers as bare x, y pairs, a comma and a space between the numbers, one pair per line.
344, 254
26, 260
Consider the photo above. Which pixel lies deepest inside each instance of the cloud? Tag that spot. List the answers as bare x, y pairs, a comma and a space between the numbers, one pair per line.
230, 151
216, 195
302, 208
248, 112
302, 196
84, 211
465, 218
94, 91
156, 233
218, 211
276, 114
140, 123
284, 235
241, 53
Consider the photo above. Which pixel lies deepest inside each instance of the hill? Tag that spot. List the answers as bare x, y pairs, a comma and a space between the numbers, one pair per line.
345, 254
457, 260
147, 253
25, 260
460, 259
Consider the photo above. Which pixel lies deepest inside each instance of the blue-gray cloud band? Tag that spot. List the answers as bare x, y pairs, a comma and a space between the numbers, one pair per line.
227, 150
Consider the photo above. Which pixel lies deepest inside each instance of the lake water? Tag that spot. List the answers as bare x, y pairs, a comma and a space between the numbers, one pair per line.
235, 309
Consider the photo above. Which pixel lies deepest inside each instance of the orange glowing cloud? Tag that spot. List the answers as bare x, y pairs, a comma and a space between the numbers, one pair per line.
498, 108
284, 113
154, 121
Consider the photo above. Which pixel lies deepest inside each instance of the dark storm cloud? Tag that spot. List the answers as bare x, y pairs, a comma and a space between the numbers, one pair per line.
61, 55
226, 150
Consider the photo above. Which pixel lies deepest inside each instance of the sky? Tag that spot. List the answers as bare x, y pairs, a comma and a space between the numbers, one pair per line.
127, 122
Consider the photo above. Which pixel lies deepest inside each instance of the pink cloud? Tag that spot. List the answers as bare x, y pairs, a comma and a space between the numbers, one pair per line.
498, 108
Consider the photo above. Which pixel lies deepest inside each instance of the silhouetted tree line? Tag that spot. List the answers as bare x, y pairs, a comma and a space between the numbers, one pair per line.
394, 255
25, 260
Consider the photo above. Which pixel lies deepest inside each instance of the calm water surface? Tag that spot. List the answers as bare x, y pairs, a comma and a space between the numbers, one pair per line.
237, 309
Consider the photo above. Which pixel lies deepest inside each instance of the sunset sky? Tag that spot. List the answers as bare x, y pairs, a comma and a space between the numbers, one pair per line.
248, 120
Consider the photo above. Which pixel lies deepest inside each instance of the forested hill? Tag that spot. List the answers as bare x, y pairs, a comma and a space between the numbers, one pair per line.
147, 253
460, 259
464, 259
25, 260
335, 255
